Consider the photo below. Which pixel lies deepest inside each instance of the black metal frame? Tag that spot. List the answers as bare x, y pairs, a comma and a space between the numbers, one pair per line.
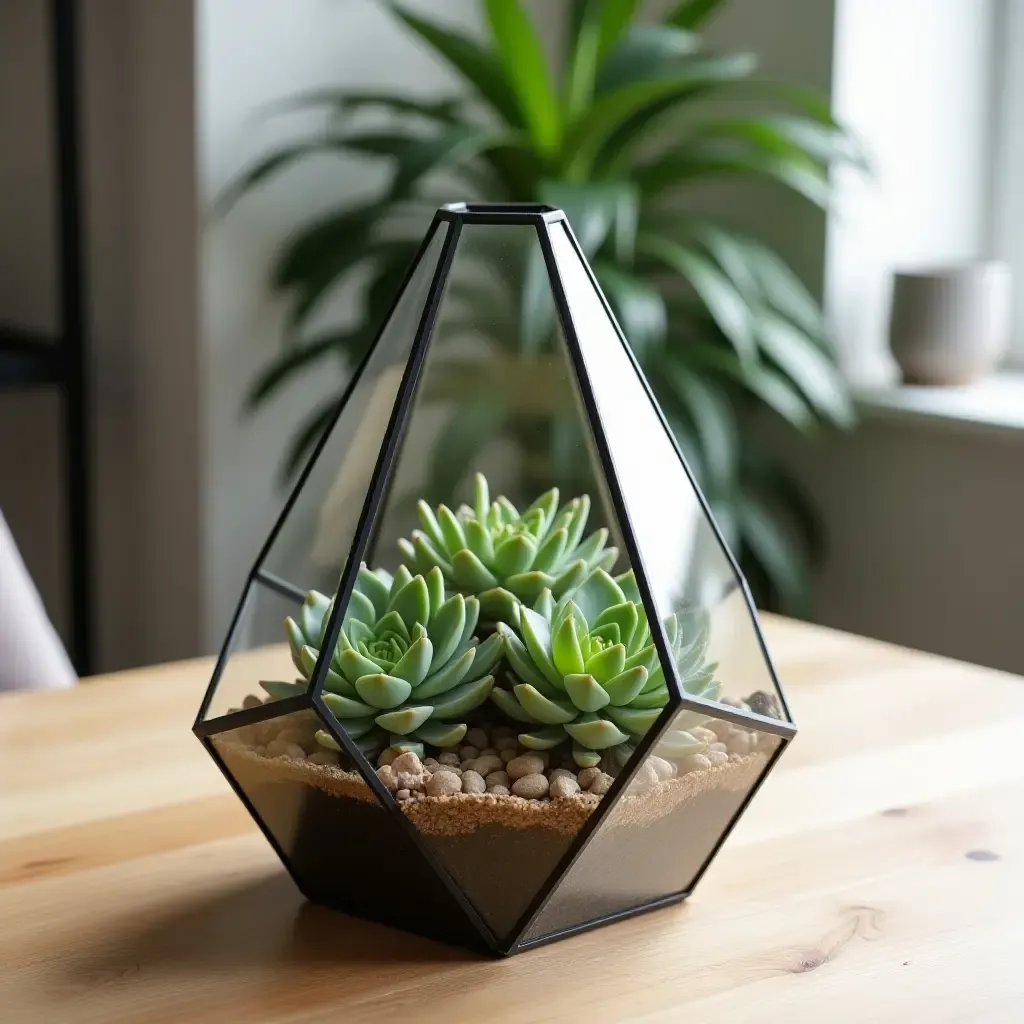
451, 219
31, 359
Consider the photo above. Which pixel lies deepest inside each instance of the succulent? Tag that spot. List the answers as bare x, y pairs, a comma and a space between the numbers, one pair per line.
407, 666
504, 556
588, 669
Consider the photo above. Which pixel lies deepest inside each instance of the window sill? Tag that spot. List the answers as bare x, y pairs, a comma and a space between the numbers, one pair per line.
994, 406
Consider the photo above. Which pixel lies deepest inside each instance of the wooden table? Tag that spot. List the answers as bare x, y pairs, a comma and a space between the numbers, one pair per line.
877, 876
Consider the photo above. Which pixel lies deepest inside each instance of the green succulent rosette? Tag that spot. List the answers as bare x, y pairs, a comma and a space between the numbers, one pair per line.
407, 667
585, 669
505, 556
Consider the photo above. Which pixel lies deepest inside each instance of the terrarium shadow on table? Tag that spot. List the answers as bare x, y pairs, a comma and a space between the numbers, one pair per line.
537, 703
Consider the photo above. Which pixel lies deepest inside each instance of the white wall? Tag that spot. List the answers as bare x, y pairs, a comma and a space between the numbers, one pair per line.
250, 54
913, 78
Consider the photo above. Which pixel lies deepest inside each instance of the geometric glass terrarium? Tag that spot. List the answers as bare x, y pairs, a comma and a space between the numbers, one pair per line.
495, 677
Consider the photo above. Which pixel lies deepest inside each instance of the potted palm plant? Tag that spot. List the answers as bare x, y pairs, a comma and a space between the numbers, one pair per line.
619, 135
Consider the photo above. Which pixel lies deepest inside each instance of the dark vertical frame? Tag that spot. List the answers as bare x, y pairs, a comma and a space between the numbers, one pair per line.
73, 329
543, 219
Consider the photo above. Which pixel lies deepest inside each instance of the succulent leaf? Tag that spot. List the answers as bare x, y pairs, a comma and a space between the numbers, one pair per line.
492, 546
595, 732
411, 665
404, 720
586, 692
383, 691
543, 709
603, 685
464, 698
279, 691
442, 734
543, 739
345, 707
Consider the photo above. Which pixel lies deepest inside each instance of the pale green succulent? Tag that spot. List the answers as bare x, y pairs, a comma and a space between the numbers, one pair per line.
586, 669
504, 556
407, 667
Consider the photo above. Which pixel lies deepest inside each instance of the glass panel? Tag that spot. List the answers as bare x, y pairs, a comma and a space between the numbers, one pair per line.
496, 397
315, 539
341, 846
687, 569
664, 826
256, 651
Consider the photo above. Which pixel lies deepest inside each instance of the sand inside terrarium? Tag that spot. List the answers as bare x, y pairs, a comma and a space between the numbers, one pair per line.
463, 813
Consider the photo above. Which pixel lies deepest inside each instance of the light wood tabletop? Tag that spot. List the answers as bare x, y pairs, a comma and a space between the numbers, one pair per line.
877, 876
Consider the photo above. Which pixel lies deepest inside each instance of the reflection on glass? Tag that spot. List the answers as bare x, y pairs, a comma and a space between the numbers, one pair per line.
254, 647
665, 825
341, 846
686, 566
314, 542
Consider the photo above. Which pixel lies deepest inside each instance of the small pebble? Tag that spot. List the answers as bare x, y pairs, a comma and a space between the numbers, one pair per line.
719, 747
449, 757
473, 782
695, 763
509, 753
407, 762
452, 769
701, 732
387, 755
324, 757
489, 752
732, 702
601, 784
497, 779
468, 752
408, 780
766, 704
443, 784
386, 774
487, 763
506, 743
403, 794
739, 742
718, 757
564, 785
431, 764
525, 764
587, 776
467, 763
252, 701
283, 748
645, 776
477, 738
662, 768
420, 795
532, 786
498, 790
260, 749
558, 772
719, 731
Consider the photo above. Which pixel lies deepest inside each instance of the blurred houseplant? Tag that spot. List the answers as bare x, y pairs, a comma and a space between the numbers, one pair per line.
619, 139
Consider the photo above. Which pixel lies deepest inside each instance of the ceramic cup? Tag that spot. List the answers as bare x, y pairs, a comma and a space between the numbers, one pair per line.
951, 325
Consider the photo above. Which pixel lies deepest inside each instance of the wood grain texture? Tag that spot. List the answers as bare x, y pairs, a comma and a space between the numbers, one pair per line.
877, 875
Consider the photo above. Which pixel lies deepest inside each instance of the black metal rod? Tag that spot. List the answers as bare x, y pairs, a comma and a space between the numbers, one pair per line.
73, 329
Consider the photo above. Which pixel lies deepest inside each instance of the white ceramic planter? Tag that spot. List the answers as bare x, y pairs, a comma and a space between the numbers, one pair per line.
951, 325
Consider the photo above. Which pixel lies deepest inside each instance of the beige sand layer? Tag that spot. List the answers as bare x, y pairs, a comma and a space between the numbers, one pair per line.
463, 813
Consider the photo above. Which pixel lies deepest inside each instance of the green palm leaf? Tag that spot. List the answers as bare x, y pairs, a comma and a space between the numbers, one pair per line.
526, 70
480, 68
